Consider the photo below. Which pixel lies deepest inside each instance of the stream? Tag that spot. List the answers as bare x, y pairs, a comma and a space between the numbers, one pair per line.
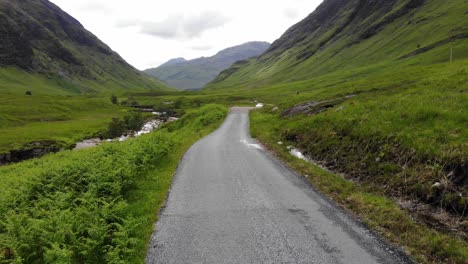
147, 128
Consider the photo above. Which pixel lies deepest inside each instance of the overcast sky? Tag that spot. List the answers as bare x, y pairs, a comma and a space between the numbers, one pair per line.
148, 33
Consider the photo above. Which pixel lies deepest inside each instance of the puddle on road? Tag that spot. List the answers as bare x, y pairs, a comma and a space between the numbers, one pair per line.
255, 146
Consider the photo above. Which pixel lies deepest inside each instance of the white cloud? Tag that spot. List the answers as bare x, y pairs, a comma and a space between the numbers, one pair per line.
94, 7
201, 47
291, 13
183, 27
147, 32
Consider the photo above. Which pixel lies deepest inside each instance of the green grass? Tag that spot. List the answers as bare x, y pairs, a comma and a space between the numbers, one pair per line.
95, 205
381, 214
14, 81
65, 119
60, 110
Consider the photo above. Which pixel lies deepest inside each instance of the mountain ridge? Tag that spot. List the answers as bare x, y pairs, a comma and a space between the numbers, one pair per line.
196, 73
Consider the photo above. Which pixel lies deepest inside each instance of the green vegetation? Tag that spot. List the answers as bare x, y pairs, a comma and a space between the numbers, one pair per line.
66, 120
114, 99
131, 122
94, 205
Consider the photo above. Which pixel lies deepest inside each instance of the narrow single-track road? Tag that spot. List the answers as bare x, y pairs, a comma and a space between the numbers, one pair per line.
231, 202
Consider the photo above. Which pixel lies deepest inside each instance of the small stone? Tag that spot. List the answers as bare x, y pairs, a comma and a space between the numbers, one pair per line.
280, 143
377, 159
339, 108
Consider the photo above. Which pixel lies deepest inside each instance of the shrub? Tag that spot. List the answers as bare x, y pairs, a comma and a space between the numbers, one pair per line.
114, 99
134, 121
115, 128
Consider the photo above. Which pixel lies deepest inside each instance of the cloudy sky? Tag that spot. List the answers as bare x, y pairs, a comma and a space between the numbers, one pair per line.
147, 33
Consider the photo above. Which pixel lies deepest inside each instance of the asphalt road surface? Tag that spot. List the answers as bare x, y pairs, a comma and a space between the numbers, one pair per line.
231, 202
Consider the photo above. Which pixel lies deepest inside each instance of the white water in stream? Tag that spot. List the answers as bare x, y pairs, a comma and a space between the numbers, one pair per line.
148, 127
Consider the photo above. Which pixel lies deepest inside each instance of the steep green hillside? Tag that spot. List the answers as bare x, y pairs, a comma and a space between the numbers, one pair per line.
50, 47
345, 35
195, 74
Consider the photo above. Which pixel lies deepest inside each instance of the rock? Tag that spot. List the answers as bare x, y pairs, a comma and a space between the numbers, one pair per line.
340, 108
315, 107
280, 143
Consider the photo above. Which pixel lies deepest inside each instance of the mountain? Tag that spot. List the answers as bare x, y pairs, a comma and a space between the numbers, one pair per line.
195, 74
175, 61
40, 41
347, 34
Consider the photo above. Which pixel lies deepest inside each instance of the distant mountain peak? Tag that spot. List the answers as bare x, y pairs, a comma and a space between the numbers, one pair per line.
196, 73
174, 61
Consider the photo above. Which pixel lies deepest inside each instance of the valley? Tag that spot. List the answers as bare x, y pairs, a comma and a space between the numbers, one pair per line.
372, 94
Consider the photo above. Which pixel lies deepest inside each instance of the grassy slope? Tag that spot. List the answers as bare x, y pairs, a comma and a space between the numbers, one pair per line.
25, 119
15, 81
57, 110
95, 205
